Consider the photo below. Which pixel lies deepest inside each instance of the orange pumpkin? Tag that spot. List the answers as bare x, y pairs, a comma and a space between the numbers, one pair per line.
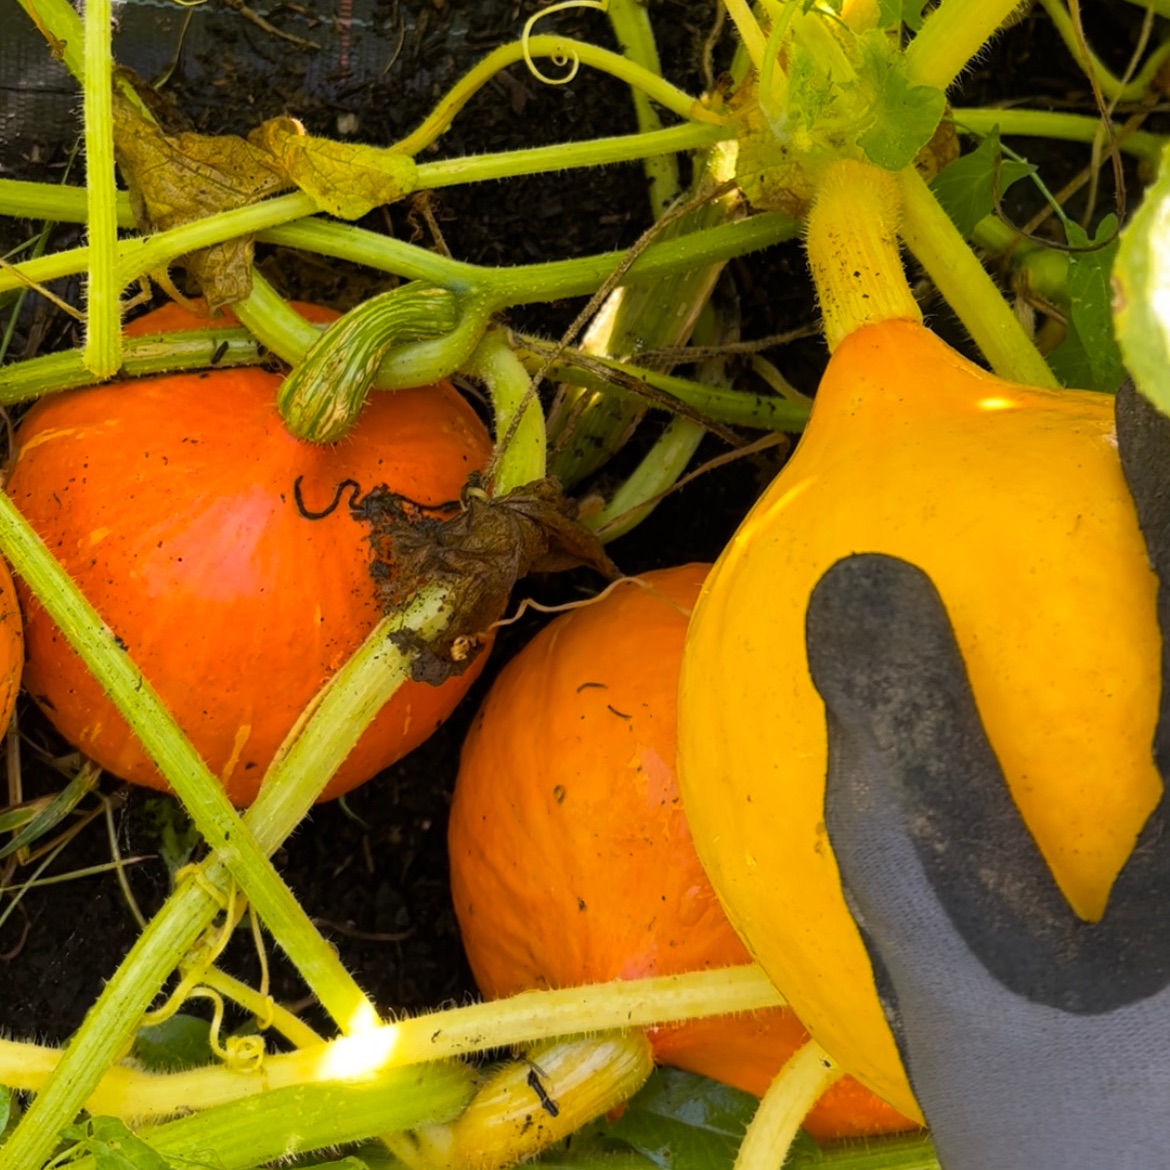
571, 859
171, 501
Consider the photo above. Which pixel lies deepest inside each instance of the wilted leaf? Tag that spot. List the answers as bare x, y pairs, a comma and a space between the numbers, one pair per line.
345, 179
476, 549
176, 179
968, 187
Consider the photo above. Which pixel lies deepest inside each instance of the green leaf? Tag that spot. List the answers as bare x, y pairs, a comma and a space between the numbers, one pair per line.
905, 115
5, 1107
1141, 290
175, 832
681, 1121
113, 1147
908, 1152
585, 1154
816, 89
967, 188
1089, 357
181, 1042
893, 13
47, 817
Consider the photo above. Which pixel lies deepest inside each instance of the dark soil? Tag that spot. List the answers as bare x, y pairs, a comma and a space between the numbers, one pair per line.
374, 871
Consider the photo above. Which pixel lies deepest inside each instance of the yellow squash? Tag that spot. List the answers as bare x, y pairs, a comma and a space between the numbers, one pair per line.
1012, 500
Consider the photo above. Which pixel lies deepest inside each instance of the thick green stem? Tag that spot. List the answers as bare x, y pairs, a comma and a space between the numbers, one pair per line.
139, 257
630, 21
286, 1122
656, 474
103, 334
521, 458
562, 48
526, 1018
737, 408
200, 791
894, 1153
26, 200
523, 284
278, 1125
342, 711
797, 1088
852, 243
68, 204
950, 36
751, 36
287, 333
60, 25
66, 370
535, 160
956, 271
275, 323
1060, 126
527, 284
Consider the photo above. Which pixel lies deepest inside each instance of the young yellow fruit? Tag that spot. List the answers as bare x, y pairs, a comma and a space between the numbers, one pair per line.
1013, 501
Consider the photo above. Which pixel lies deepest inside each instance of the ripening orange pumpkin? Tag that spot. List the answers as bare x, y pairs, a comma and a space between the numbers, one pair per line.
571, 859
171, 501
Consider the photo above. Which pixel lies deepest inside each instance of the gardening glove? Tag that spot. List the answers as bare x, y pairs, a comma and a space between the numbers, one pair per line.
1032, 1039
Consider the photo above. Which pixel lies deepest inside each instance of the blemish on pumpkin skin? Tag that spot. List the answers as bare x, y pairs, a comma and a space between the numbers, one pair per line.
98, 534
242, 734
47, 437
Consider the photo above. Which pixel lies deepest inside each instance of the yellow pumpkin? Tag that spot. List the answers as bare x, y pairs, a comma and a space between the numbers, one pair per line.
1013, 501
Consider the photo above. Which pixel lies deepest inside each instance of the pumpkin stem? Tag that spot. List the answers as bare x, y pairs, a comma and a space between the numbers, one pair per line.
797, 1087
851, 237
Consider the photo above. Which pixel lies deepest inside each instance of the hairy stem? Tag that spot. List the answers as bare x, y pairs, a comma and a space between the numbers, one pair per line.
564, 48
950, 36
526, 1018
956, 271
103, 334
